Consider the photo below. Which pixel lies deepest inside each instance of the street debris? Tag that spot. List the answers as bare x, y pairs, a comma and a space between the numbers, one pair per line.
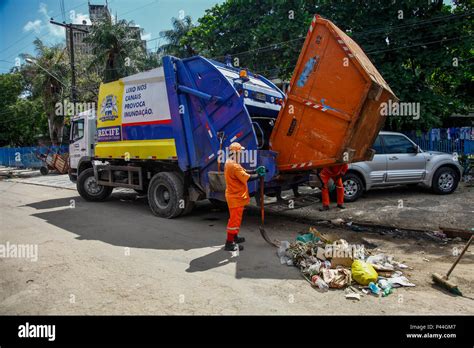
353, 296
328, 264
363, 272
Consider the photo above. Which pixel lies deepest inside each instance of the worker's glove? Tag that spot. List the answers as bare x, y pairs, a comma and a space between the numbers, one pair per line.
261, 171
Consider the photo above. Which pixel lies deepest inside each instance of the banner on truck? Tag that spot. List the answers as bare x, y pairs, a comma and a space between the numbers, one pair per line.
145, 103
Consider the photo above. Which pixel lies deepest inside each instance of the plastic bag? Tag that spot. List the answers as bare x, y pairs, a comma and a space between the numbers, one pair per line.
305, 238
284, 245
363, 272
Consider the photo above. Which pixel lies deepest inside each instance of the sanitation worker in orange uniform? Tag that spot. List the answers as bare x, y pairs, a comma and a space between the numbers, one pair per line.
237, 194
335, 173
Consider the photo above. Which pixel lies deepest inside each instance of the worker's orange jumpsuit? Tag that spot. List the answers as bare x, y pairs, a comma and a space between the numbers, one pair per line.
236, 195
335, 173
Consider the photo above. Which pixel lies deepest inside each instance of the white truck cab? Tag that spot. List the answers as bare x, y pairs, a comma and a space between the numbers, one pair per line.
82, 140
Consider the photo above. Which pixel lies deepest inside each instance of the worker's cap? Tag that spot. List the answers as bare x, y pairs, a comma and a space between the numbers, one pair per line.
236, 147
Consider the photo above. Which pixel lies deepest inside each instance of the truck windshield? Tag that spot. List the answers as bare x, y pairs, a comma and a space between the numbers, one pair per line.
77, 130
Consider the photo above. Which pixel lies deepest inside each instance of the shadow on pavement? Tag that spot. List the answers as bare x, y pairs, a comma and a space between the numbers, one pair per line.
126, 221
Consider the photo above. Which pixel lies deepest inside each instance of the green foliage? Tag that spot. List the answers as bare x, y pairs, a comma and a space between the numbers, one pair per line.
116, 48
413, 43
176, 45
46, 78
21, 119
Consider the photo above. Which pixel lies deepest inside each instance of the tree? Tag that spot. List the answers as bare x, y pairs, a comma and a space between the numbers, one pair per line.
46, 78
175, 44
21, 119
117, 48
413, 44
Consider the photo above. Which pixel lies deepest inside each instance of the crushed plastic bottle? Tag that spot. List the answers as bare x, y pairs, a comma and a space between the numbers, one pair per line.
387, 291
374, 288
320, 283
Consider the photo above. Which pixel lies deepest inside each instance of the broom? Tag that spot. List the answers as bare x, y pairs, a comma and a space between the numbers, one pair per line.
444, 280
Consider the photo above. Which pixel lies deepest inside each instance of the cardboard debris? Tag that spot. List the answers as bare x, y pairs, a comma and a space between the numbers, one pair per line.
332, 262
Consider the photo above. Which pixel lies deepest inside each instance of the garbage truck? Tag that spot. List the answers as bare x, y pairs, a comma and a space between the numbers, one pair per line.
165, 132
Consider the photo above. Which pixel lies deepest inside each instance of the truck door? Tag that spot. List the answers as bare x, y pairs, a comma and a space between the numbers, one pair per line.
77, 146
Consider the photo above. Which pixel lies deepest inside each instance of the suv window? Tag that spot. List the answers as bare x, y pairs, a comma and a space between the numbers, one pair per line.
398, 144
378, 146
77, 130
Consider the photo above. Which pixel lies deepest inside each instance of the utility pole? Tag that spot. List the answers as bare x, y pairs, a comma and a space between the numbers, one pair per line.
71, 55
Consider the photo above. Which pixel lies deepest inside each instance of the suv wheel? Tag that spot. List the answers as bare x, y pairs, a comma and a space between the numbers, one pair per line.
445, 181
353, 187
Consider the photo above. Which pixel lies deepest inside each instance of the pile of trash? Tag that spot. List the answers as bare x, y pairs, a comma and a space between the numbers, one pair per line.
337, 264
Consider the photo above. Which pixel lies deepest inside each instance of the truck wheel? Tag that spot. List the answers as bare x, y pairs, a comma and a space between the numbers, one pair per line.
166, 195
89, 189
445, 181
44, 170
353, 187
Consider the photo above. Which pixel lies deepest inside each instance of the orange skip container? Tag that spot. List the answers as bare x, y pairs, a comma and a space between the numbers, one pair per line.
331, 112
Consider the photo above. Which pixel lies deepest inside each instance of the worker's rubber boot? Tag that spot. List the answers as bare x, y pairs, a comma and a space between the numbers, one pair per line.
324, 208
238, 239
232, 246
340, 206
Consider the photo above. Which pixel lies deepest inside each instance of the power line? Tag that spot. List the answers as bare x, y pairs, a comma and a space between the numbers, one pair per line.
139, 8
417, 23
380, 29
416, 45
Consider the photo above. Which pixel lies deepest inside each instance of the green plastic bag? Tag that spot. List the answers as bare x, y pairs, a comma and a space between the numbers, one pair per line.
308, 237
363, 272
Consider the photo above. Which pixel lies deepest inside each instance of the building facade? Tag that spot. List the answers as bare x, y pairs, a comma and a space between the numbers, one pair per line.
96, 13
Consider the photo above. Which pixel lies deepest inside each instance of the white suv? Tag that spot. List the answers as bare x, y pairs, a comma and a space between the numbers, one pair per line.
398, 160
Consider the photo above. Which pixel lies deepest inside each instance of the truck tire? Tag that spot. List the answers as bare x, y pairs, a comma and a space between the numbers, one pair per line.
165, 195
353, 187
445, 181
88, 188
44, 170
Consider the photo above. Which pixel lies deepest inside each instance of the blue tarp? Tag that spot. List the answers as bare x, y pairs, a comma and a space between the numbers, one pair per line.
26, 157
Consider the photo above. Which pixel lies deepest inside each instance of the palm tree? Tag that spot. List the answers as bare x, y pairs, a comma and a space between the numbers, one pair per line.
116, 47
176, 45
47, 79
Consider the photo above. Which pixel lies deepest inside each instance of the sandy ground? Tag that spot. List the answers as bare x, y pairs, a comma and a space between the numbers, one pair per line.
405, 207
117, 258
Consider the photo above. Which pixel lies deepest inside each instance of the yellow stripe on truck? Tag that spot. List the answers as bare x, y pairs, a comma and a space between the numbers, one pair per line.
141, 149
